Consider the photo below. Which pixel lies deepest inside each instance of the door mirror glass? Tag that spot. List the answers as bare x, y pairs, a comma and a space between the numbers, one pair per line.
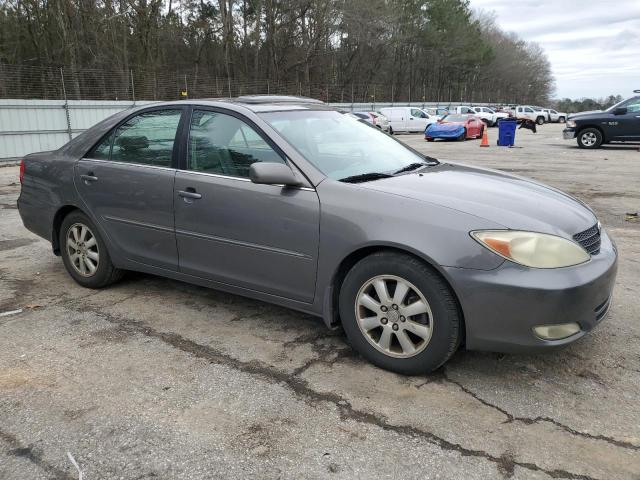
620, 111
269, 173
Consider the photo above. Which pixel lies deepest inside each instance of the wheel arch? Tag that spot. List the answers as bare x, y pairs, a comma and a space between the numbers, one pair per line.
59, 216
331, 315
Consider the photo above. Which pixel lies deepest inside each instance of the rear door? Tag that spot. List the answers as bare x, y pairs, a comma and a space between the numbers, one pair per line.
398, 119
126, 182
230, 230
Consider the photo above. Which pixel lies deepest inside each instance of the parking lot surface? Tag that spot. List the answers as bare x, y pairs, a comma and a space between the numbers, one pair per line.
153, 378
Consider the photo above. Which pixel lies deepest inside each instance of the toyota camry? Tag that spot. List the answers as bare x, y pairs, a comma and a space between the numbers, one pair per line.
290, 201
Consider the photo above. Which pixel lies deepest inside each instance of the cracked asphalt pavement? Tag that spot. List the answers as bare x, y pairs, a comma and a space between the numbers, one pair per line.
153, 378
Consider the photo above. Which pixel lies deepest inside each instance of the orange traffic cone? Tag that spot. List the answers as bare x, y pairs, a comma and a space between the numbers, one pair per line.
485, 138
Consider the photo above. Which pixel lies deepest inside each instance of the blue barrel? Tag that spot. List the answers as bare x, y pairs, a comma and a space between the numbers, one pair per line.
507, 132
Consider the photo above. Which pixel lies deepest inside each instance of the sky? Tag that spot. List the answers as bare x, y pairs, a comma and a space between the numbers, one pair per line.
593, 45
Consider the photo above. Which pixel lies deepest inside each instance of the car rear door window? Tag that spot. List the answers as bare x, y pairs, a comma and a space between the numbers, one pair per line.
225, 145
146, 139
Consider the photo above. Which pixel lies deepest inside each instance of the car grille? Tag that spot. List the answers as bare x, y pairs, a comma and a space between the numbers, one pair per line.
589, 239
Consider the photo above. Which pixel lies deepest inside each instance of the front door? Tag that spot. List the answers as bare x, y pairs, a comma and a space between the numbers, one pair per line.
260, 237
628, 127
126, 181
417, 120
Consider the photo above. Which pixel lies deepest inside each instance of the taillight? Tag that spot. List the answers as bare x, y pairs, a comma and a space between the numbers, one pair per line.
21, 171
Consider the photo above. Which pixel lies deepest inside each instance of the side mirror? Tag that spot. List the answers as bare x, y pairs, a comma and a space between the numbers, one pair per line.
620, 111
271, 173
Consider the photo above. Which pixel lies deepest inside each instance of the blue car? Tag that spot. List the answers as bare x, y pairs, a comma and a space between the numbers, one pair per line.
459, 127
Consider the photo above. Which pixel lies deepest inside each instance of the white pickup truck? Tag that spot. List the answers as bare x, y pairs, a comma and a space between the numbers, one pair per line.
527, 112
489, 116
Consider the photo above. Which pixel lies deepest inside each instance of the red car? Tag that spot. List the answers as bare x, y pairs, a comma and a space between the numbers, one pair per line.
455, 126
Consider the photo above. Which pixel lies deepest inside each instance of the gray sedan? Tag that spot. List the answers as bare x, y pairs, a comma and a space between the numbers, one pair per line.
289, 201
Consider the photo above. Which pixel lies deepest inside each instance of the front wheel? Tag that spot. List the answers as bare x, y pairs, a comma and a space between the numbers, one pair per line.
400, 314
463, 136
562, 120
390, 131
540, 120
589, 138
85, 254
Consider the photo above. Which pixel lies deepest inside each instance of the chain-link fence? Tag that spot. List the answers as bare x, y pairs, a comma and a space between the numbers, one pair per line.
34, 82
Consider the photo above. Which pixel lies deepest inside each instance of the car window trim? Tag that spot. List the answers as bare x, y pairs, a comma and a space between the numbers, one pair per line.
114, 129
244, 179
143, 165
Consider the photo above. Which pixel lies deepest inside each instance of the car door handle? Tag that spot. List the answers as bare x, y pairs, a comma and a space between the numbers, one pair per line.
189, 194
89, 178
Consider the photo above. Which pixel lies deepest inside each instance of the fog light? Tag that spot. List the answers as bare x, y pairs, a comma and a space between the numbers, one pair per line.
556, 332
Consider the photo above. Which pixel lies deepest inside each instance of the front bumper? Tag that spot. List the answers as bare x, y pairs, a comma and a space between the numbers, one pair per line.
502, 306
569, 133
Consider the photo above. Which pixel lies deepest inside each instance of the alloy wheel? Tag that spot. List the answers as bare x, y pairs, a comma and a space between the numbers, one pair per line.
394, 316
588, 139
82, 249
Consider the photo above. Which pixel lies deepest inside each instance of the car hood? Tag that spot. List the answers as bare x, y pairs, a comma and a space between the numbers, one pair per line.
511, 201
588, 114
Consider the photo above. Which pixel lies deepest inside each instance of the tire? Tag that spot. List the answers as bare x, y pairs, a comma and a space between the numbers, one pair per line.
589, 138
438, 326
540, 120
562, 120
92, 250
463, 136
390, 131
430, 139
486, 122
481, 132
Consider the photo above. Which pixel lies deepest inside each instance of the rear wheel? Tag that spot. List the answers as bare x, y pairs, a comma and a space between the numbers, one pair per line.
399, 313
390, 131
589, 138
85, 254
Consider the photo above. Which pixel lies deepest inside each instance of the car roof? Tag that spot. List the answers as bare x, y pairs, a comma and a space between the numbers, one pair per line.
271, 103
255, 103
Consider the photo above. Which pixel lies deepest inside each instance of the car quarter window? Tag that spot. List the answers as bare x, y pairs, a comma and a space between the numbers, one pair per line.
225, 145
145, 139
102, 151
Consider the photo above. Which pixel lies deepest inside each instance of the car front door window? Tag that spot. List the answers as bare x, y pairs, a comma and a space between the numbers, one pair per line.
225, 145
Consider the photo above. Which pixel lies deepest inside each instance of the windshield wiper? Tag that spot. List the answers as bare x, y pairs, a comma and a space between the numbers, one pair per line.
365, 177
412, 166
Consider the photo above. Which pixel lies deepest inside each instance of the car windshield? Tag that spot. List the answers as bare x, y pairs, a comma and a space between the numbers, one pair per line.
340, 146
455, 118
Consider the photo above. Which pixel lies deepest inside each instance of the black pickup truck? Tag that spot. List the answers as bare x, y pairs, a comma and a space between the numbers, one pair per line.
620, 123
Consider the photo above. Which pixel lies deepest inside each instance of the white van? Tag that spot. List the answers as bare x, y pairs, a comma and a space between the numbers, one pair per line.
407, 119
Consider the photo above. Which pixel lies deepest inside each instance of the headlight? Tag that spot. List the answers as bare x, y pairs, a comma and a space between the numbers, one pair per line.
536, 250
571, 123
